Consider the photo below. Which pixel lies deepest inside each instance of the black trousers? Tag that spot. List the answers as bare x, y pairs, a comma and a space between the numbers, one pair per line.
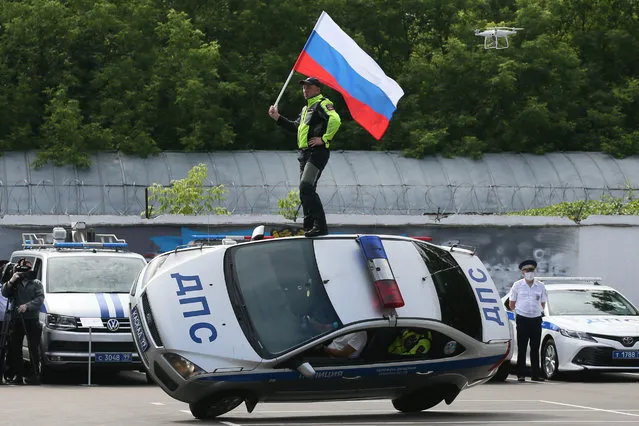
528, 329
17, 332
312, 162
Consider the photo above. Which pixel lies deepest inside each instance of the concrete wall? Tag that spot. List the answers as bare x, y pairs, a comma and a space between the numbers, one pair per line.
600, 246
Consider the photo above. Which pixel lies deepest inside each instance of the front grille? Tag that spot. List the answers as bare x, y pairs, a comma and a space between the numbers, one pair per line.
124, 326
602, 357
83, 347
623, 339
150, 321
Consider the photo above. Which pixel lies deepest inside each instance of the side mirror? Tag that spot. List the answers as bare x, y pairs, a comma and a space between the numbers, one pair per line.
306, 370
258, 233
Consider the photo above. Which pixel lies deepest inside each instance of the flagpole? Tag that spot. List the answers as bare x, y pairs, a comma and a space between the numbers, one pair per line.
277, 101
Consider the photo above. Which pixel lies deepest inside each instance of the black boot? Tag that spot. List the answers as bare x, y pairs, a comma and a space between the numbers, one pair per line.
308, 222
317, 230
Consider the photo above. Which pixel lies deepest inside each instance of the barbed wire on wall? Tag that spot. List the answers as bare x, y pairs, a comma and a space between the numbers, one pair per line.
73, 196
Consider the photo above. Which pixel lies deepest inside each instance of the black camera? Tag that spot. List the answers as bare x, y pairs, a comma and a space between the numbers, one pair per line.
7, 272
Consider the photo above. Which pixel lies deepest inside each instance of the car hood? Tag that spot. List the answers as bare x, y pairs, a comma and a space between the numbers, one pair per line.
193, 314
611, 325
87, 305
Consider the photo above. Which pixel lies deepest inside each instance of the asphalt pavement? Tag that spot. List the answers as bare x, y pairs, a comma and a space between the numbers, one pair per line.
126, 399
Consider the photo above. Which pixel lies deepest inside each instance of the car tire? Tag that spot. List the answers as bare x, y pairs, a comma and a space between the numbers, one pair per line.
549, 360
416, 402
209, 408
502, 372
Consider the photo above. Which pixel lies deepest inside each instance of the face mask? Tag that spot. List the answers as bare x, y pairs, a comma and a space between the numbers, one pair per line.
529, 275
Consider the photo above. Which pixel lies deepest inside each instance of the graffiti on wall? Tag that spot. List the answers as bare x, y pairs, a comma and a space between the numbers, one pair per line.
501, 249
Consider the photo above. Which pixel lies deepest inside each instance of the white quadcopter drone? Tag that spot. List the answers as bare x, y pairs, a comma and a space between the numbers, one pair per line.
493, 34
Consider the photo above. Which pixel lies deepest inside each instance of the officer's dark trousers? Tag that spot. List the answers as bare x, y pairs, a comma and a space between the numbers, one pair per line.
17, 333
528, 329
312, 162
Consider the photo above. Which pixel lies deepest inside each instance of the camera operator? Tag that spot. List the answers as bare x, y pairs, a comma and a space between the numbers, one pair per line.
27, 295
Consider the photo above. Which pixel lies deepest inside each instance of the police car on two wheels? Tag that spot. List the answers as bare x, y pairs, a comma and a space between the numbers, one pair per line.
218, 325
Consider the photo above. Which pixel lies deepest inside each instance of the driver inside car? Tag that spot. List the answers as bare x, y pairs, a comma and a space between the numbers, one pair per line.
347, 346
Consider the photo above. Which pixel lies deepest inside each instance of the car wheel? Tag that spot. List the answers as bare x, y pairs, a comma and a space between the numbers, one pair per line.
417, 402
549, 360
502, 372
209, 408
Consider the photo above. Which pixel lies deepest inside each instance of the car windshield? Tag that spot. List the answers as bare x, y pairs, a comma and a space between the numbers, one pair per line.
276, 287
589, 302
458, 303
92, 274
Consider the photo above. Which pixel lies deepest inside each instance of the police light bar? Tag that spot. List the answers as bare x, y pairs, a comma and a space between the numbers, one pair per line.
59, 244
387, 289
422, 238
221, 237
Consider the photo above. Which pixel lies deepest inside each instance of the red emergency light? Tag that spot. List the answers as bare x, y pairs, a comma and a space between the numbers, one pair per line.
386, 286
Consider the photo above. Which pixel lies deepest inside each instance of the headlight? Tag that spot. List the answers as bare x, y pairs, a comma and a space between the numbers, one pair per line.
576, 335
183, 366
60, 322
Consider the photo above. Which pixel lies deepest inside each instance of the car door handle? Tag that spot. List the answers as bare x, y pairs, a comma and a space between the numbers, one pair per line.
351, 378
424, 373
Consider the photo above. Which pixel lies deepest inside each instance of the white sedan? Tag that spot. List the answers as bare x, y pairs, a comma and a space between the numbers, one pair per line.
586, 327
220, 325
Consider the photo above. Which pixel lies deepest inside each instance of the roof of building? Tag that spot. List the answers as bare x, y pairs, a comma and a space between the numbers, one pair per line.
354, 182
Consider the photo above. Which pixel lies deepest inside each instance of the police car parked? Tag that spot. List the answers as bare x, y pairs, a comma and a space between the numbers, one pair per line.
586, 327
220, 325
86, 279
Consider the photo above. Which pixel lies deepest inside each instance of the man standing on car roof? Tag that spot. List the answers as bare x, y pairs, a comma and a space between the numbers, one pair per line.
27, 296
528, 299
316, 127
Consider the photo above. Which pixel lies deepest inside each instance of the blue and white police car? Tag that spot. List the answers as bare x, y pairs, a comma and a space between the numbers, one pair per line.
220, 325
586, 327
86, 278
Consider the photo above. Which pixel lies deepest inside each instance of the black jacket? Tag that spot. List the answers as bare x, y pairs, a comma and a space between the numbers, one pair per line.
31, 293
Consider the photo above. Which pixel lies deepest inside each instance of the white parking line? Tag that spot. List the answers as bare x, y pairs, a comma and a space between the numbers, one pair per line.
229, 423
457, 422
158, 403
590, 408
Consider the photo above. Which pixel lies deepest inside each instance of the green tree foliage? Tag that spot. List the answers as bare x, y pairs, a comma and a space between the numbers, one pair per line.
580, 210
187, 196
289, 206
143, 76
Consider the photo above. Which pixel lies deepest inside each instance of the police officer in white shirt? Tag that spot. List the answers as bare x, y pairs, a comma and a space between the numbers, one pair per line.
528, 299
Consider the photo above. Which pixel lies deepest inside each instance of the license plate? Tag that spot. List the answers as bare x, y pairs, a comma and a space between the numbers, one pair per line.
113, 357
138, 330
625, 355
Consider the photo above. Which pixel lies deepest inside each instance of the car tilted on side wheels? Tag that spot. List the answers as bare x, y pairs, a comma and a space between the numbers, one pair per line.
220, 325
586, 327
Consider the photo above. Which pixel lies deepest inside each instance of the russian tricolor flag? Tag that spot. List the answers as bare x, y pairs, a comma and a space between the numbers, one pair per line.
337, 61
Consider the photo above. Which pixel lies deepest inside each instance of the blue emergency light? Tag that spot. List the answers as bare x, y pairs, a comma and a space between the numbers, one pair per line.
219, 237
65, 244
377, 261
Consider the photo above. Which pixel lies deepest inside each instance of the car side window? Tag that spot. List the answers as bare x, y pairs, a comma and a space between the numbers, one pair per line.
507, 304
392, 344
37, 267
